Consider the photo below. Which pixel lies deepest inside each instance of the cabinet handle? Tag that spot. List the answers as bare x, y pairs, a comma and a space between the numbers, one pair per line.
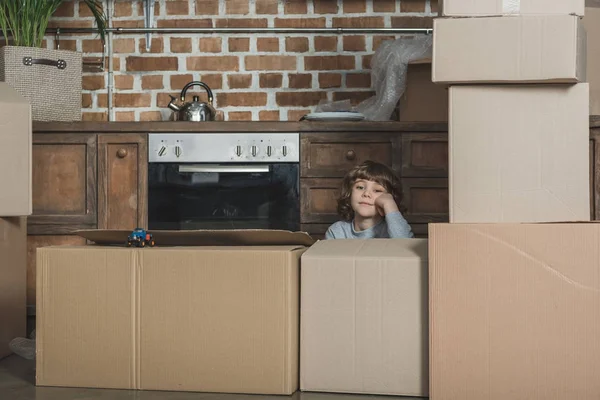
122, 153
350, 155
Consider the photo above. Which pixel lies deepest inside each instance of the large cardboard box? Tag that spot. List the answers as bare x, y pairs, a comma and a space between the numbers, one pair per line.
519, 153
514, 311
477, 8
13, 280
591, 21
190, 318
15, 153
423, 100
364, 317
536, 49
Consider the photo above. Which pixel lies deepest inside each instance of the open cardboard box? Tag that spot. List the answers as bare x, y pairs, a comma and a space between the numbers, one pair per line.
213, 311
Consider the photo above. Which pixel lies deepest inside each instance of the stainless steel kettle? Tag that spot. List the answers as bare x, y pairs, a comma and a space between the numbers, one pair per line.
195, 110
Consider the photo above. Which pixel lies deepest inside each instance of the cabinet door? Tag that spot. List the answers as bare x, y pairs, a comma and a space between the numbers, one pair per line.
122, 181
318, 199
426, 200
64, 183
334, 154
425, 155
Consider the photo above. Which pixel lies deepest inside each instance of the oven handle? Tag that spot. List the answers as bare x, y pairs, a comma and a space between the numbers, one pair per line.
224, 168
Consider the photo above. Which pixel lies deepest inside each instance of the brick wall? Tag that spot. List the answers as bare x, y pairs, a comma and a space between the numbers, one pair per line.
253, 76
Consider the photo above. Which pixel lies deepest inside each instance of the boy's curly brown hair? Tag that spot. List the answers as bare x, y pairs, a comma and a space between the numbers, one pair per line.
370, 171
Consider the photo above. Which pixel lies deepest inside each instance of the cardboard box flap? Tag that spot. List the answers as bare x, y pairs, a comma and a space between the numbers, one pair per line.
379, 248
10, 95
235, 237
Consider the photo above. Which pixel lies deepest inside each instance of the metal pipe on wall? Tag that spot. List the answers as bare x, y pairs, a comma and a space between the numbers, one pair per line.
340, 31
110, 75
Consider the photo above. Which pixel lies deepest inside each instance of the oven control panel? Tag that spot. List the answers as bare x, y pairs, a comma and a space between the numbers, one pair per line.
223, 147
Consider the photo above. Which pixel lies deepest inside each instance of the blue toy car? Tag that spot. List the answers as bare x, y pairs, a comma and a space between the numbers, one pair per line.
140, 238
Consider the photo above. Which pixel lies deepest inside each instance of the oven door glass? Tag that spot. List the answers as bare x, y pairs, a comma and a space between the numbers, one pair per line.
227, 196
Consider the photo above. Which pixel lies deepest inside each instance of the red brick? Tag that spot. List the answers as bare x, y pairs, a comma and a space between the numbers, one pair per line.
299, 99
86, 100
152, 82
239, 44
141, 7
358, 80
136, 23
185, 23
91, 46
354, 43
214, 81
242, 99
241, 23
124, 82
326, 43
239, 81
324, 63
239, 116
181, 45
236, 7
300, 81
179, 81
92, 82
207, 7
414, 6
330, 80
326, 6
102, 100
267, 44
270, 63
267, 7
150, 116
270, 80
268, 115
295, 7
94, 116
211, 45
300, 22
354, 97
163, 99
434, 6
123, 9
125, 116
157, 45
377, 40
213, 63
133, 100
68, 45
66, 9
366, 61
177, 7
124, 45
84, 23
151, 63
295, 115
355, 6
84, 11
296, 44
359, 22
387, 6
412, 22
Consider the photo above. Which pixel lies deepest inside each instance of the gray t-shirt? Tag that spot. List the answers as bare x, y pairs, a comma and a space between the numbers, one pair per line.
392, 226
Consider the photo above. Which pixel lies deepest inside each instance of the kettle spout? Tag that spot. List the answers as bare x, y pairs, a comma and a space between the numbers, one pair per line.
172, 104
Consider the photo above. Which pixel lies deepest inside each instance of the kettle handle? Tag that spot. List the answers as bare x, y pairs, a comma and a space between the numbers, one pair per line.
197, 83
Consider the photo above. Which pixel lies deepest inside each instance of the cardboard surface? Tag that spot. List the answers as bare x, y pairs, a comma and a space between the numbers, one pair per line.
514, 311
15, 153
364, 317
13, 280
235, 237
535, 49
472, 8
423, 100
519, 153
591, 21
209, 319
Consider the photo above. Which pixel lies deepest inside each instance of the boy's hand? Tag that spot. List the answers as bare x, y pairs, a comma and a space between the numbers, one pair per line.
385, 204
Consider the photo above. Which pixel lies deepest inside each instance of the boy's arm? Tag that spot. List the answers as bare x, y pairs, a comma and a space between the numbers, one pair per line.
397, 226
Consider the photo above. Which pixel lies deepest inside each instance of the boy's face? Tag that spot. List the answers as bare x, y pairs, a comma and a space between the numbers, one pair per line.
363, 197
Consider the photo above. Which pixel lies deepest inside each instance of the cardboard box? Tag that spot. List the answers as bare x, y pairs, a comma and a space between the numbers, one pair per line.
534, 49
514, 311
477, 8
423, 100
13, 281
364, 317
15, 153
192, 318
591, 21
519, 153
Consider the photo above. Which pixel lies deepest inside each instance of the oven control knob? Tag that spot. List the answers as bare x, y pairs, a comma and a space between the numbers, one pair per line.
177, 151
269, 151
284, 151
254, 150
238, 151
162, 151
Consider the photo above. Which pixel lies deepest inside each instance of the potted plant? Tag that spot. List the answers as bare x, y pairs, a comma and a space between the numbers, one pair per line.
49, 79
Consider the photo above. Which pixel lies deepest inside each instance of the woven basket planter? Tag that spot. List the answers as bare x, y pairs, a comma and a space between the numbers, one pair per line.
49, 79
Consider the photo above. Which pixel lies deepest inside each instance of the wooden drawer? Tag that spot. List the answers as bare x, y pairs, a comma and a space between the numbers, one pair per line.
426, 200
425, 155
319, 199
333, 155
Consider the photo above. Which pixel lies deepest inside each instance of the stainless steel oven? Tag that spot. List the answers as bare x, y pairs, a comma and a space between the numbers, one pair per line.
224, 181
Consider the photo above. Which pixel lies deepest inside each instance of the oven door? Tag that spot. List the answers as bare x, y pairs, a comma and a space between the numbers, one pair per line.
223, 196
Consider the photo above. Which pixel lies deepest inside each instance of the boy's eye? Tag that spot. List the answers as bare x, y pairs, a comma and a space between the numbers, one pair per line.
359, 187
378, 190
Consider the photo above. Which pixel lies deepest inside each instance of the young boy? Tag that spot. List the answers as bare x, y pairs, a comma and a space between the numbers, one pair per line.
369, 205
